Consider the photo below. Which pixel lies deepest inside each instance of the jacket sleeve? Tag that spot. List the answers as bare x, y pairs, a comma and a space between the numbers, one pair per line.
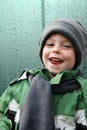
81, 113
5, 123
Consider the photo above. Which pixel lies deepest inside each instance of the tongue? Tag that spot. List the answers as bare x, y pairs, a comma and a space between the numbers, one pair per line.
56, 62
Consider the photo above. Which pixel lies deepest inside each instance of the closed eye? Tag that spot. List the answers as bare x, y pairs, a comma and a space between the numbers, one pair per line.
67, 46
49, 44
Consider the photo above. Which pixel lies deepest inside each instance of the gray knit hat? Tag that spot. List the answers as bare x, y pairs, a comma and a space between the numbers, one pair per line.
71, 29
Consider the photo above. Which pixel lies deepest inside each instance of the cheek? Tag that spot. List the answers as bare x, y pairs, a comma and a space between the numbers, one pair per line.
45, 54
70, 56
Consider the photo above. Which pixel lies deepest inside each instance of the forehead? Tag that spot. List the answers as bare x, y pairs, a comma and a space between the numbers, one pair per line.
58, 37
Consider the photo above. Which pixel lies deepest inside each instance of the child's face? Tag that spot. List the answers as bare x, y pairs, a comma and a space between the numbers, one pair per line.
58, 54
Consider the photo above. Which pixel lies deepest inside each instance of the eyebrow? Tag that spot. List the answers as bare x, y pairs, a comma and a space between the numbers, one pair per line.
63, 40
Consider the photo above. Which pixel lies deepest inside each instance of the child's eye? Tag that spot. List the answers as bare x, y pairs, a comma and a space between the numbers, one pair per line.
67, 46
49, 44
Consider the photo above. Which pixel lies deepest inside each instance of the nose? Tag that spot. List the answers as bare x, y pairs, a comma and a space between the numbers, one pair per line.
56, 49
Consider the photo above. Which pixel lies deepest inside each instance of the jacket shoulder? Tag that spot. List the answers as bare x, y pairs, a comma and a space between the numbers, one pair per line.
22, 76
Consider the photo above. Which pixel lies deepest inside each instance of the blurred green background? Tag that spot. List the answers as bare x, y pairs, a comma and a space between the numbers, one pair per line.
21, 23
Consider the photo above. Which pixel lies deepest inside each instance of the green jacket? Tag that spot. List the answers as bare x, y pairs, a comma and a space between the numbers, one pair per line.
69, 108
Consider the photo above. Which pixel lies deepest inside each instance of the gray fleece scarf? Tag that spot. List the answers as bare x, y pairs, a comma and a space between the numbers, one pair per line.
36, 112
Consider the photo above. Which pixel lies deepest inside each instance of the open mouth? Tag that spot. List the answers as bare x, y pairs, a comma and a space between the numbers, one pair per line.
56, 61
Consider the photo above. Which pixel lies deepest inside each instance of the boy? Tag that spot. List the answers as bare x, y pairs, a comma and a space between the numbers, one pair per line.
57, 96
